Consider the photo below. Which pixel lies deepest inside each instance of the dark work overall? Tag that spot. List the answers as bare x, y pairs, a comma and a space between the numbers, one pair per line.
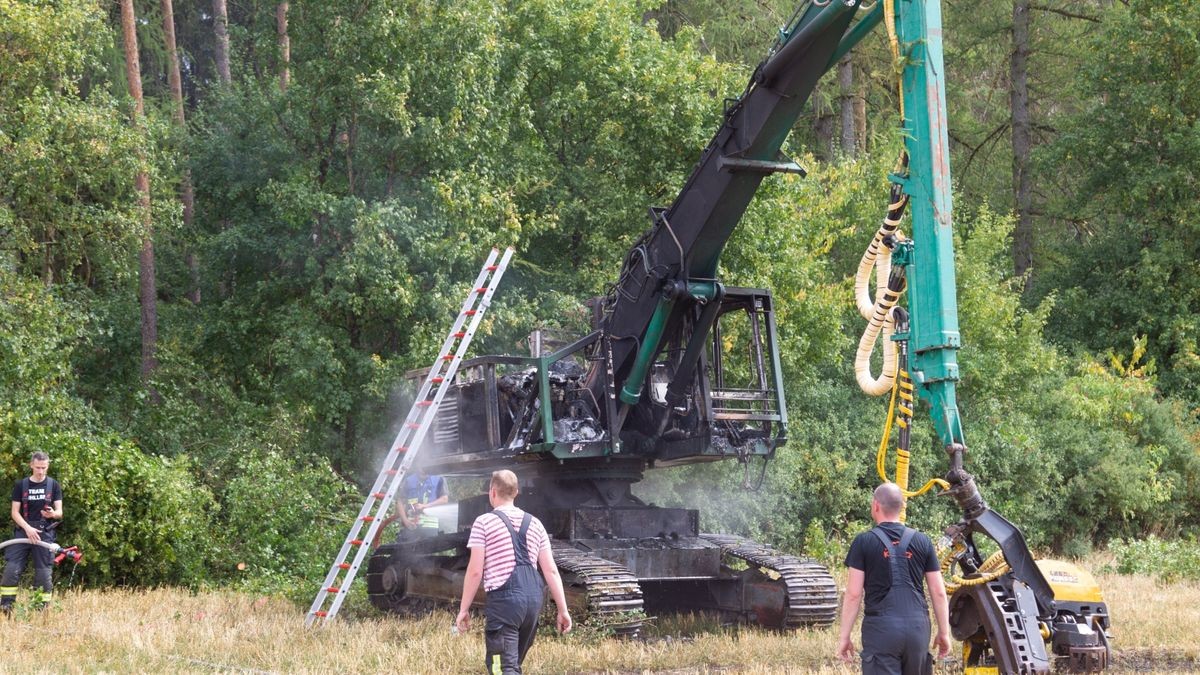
895, 633
512, 609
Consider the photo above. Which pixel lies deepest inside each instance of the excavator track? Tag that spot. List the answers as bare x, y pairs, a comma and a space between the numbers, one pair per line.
610, 592
811, 590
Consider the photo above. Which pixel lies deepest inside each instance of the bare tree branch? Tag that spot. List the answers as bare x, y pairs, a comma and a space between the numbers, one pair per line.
1063, 12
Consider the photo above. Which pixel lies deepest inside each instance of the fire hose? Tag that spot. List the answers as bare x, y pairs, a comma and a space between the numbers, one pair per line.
60, 553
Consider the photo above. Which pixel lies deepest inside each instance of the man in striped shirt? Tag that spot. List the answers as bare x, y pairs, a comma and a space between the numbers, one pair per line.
507, 547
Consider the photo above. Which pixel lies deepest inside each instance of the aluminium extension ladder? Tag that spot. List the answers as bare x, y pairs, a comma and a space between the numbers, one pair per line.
408, 441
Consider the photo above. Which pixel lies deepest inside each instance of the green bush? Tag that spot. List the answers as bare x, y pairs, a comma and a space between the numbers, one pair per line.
1170, 561
138, 519
283, 513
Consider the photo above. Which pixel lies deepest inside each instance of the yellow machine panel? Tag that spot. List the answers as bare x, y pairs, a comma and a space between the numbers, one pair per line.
1070, 582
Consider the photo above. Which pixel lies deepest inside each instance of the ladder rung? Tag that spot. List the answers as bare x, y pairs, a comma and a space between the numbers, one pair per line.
378, 495
368, 519
438, 380
344, 566
356, 542
481, 289
393, 472
334, 589
401, 449
492, 268
471, 312
321, 614
461, 334
448, 357
424, 404
413, 425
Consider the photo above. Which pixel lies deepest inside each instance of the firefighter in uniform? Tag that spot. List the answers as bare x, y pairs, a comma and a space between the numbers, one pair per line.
507, 547
888, 564
36, 500
419, 492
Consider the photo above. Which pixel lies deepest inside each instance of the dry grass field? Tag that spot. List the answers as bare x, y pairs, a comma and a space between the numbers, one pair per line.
1156, 629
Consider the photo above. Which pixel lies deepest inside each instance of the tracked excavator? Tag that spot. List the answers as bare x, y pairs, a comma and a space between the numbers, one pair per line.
656, 384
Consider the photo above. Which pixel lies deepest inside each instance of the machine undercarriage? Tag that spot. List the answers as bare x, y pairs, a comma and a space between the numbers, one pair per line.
621, 566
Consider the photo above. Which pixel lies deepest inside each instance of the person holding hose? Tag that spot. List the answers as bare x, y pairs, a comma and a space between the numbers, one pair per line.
508, 546
36, 501
890, 564
420, 491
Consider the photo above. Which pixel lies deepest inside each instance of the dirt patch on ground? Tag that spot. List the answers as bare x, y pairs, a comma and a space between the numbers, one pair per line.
1154, 661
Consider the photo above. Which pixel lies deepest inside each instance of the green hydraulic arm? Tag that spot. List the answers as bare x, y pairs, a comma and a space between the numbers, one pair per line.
928, 261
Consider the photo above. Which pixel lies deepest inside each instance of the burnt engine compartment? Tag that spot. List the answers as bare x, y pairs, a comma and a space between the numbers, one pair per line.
562, 400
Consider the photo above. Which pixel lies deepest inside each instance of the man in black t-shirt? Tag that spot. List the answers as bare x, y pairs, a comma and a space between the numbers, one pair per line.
890, 563
36, 501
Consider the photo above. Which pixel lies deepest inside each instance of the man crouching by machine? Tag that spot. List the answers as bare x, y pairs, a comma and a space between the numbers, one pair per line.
36, 501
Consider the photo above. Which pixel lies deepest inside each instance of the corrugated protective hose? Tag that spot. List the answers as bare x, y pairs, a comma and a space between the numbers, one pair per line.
881, 322
878, 312
992, 568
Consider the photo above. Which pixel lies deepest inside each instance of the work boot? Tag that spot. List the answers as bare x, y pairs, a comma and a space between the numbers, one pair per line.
6, 610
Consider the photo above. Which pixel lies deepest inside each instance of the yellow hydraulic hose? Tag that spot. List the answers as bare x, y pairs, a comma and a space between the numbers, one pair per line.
991, 569
903, 391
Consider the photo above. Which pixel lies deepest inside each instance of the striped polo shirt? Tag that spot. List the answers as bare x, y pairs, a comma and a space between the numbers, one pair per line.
492, 535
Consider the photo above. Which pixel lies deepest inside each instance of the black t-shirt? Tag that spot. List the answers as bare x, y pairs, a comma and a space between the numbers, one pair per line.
40, 494
868, 554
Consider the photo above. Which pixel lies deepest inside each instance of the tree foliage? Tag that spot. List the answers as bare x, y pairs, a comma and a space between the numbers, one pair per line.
1135, 147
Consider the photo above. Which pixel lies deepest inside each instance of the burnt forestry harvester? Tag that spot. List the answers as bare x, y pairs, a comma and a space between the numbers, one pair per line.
655, 384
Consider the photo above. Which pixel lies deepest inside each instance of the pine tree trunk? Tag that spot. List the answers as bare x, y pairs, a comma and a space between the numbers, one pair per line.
285, 49
822, 126
860, 120
173, 78
186, 194
1022, 141
147, 290
221, 28
845, 71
